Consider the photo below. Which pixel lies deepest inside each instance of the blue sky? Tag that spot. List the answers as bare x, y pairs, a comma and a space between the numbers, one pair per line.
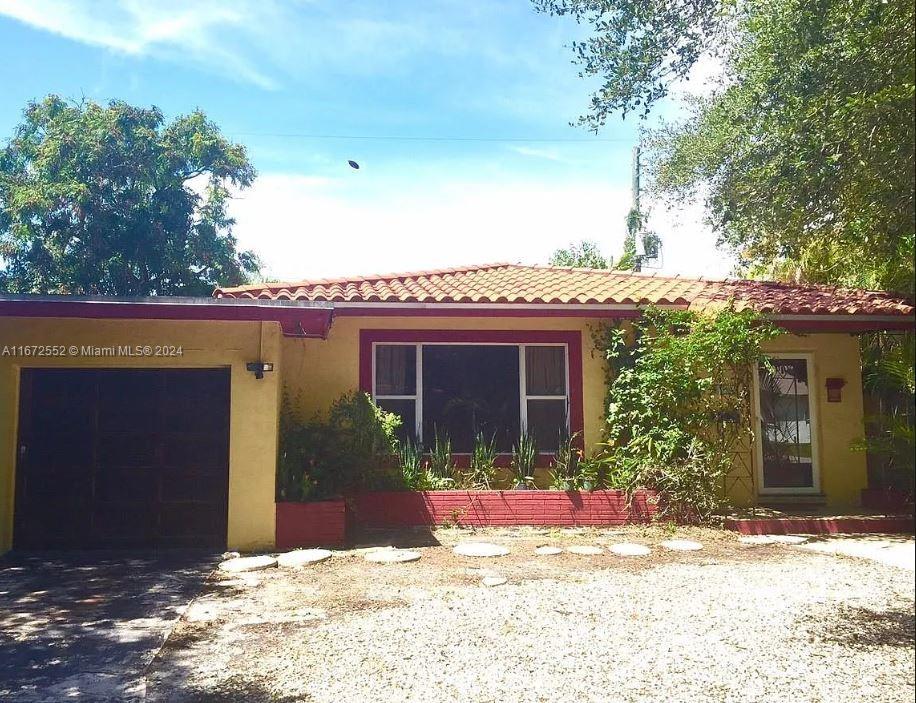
511, 181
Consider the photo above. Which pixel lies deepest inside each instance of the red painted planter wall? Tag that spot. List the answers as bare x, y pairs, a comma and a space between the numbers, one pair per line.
820, 525
498, 508
319, 524
884, 499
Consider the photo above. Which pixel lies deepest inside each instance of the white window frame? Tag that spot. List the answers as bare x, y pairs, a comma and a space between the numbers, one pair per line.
417, 396
524, 396
813, 400
522, 379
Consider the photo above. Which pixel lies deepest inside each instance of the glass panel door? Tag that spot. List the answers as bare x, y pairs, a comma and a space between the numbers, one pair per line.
786, 432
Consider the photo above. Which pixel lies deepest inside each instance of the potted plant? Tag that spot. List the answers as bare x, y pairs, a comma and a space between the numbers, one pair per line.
524, 456
588, 473
565, 464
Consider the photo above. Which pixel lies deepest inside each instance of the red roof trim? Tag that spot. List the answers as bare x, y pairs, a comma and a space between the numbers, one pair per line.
294, 321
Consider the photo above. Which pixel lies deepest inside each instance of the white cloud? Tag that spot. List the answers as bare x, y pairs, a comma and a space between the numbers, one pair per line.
688, 244
201, 32
305, 227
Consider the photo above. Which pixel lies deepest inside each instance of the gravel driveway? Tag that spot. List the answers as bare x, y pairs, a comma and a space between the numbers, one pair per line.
732, 622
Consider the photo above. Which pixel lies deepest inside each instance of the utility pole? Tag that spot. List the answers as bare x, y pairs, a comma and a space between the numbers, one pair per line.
637, 230
636, 176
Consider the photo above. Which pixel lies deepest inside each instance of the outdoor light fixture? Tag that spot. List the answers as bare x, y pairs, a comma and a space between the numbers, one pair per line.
834, 389
259, 368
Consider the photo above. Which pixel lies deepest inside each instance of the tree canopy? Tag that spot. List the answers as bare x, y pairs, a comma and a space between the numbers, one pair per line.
804, 149
584, 254
112, 200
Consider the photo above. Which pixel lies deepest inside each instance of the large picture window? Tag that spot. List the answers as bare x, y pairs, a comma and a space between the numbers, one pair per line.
458, 390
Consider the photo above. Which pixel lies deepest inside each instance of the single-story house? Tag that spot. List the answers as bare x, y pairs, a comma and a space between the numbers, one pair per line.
155, 421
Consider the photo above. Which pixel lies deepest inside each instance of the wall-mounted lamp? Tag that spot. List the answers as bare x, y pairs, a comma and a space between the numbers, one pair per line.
835, 389
259, 368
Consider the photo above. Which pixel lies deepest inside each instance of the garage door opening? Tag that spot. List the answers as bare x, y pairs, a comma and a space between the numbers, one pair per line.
122, 459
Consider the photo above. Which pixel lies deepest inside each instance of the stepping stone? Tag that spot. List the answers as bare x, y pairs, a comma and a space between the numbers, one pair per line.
682, 545
366, 550
772, 539
480, 549
587, 550
788, 539
242, 564
626, 549
392, 556
547, 551
303, 557
756, 539
493, 581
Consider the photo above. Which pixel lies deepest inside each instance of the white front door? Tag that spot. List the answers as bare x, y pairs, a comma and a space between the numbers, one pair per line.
787, 446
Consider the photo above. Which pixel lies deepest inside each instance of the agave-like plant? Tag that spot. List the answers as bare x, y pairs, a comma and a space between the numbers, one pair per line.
483, 461
440, 456
524, 456
565, 464
410, 461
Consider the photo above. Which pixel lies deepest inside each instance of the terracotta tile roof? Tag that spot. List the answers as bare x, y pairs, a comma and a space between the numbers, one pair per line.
516, 283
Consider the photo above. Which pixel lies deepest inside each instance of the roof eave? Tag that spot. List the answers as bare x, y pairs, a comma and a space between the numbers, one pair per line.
296, 318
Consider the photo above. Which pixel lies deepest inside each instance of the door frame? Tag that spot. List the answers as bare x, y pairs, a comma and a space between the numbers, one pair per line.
815, 488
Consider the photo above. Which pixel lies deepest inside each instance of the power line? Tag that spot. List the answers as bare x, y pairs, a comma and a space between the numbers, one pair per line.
394, 137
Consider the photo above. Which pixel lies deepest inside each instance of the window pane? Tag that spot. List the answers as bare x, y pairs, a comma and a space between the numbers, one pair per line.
547, 423
786, 425
467, 389
407, 409
545, 370
395, 369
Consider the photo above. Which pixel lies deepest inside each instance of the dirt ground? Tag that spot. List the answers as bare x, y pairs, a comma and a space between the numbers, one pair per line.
563, 627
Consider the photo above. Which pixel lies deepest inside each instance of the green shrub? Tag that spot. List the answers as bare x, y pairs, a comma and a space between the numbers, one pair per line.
347, 450
571, 470
431, 481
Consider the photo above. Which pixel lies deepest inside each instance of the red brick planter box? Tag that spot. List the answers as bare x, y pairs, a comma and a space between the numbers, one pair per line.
500, 508
820, 525
317, 524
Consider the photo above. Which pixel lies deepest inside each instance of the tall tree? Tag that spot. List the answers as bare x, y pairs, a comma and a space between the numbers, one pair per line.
112, 200
584, 254
806, 146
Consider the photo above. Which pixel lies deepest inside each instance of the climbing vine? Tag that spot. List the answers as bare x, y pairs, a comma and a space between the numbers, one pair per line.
678, 401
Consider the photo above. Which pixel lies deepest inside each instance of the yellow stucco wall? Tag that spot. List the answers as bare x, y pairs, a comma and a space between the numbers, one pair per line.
253, 413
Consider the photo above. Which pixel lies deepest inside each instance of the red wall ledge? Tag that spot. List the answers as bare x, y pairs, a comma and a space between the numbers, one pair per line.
318, 524
389, 509
821, 525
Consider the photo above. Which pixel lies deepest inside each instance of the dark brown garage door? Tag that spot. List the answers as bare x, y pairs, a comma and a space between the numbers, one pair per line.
118, 458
